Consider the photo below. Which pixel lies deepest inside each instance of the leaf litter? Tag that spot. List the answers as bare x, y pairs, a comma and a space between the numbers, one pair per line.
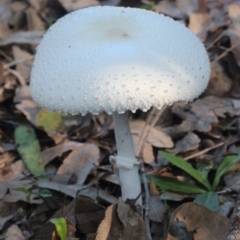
72, 152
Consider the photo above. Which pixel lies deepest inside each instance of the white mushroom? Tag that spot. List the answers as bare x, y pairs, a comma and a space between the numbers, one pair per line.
116, 59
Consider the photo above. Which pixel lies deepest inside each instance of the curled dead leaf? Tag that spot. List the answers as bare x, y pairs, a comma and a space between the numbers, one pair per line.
191, 219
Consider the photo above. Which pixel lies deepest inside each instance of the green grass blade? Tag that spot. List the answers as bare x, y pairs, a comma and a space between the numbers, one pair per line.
187, 167
172, 184
225, 165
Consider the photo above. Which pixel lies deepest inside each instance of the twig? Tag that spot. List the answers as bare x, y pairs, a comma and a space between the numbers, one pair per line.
18, 76
13, 63
227, 142
147, 195
225, 53
204, 151
151, 121
215, 40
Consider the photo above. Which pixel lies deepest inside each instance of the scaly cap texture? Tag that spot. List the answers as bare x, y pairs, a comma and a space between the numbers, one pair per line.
117, 59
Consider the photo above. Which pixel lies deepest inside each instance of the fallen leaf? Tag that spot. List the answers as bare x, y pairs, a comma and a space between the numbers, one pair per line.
71, 5
24, 62
157, 209
147, 152
49, 121
219, 83
29, 37
11, 171
188, 142
88, 214
21, 190
156, 137
121, 220
7, 211
168, 8
191, 219
14, 233
80, 162
53, 152
5, 13
29, 149
232, 181
33, 20
199, 23
187, 7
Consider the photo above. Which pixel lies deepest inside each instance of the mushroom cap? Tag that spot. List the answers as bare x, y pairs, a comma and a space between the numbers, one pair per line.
117, 59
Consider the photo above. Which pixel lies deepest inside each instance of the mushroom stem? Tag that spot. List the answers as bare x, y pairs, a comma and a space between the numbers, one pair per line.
126, 161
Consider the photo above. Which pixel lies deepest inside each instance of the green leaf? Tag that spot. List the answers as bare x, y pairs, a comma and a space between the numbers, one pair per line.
209, 200
44, 193
49, 121
172, 184
61, 227
29, 149
187, 167
204, 168
225, 165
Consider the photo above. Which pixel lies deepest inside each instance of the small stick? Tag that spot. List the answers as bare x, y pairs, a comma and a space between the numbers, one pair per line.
151, 121
147, 195
228, 142
204, 151
13, 63
225, 52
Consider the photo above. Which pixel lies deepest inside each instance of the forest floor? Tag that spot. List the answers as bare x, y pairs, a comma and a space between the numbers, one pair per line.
81, 197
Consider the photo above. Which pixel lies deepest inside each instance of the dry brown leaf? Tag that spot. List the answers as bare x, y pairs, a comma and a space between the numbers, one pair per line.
199, 23
188, 142
7, 211
88, 214
218, 13
168, 8
15, 192
14, 233
157, 209
11, 171
234, 14
34, 21
5, 13
79, 162
53, 152
192, 219
4, 30
71, 5
105, 226
29, 37
18, 9
29, 108
147, 152
234, 29
219, 83
24, 62
235, 40
156, 137
232, 181
121, 220
25, 103
188, 7
202, 114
